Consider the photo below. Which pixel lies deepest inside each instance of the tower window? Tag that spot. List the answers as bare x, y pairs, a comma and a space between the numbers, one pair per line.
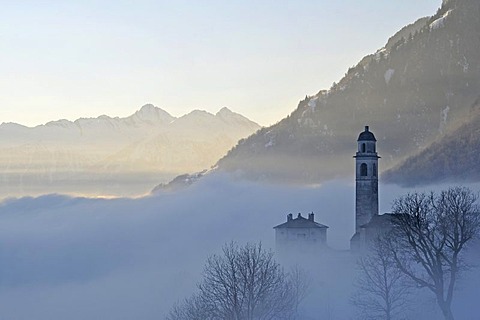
363, 170
374, 170
363, 147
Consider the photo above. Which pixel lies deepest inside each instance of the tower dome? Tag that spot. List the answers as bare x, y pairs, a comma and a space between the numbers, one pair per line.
366, 135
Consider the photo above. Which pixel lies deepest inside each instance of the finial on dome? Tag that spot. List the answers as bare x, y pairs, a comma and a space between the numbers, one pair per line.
366, 135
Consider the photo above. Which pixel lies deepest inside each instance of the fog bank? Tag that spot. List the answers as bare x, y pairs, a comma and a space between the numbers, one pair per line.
80, 258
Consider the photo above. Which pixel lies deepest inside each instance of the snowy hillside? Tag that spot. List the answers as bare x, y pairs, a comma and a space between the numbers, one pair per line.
114, 156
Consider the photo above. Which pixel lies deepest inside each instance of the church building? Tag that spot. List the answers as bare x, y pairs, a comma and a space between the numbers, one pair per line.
301, 234
366, 187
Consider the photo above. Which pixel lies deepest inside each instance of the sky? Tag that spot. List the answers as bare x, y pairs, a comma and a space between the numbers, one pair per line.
72, 59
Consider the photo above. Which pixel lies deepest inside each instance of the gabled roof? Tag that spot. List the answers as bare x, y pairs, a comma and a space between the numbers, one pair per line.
300, 222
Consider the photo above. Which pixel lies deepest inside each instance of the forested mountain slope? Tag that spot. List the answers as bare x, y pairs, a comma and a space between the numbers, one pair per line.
453, 158
423, 83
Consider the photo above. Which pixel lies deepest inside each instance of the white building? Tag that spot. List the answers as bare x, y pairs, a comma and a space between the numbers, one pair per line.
300, 235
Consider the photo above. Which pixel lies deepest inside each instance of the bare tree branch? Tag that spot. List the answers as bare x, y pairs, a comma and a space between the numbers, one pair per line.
429, 235
382, 290
244, 283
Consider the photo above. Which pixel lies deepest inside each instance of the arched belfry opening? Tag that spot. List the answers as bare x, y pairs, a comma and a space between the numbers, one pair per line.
363, 170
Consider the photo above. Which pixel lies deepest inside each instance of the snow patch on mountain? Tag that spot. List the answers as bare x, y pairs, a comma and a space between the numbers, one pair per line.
388, 75
464, 64
381, 52
313, 103
444, 117
440, 22
270, 143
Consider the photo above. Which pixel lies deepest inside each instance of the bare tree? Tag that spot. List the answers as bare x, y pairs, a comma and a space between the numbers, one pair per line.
382, 291
193, 308
300, 284
244, 283
429, 236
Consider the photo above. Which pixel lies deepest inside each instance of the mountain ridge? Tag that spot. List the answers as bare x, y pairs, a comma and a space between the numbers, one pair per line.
410, 92
145, 113
453, 157
112, 155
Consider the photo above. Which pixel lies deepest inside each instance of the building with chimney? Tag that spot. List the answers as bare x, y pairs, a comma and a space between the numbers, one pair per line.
300, 235
306, 235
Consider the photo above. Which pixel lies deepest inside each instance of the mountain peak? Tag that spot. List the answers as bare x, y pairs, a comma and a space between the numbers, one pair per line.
150, 113
199, 112
148, 108
224, 111
59, 123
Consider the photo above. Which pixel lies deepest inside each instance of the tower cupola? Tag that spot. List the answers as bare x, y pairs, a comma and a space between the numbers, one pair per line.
366, 135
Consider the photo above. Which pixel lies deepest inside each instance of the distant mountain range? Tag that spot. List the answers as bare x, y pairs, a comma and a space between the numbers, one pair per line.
421, 87
420, 95
114, 156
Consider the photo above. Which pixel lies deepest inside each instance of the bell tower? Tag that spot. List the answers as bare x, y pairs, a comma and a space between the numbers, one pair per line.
366, 179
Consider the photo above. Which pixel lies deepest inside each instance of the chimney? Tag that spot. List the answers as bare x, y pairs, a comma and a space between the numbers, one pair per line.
311, 216
299, 215
289, 217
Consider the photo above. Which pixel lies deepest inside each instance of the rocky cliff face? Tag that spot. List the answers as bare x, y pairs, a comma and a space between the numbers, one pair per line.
411, 92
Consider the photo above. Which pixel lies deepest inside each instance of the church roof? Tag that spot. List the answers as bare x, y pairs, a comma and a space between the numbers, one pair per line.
300, 222
366, 135
379, 221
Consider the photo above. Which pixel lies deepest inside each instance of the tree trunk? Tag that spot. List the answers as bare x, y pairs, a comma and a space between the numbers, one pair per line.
388, 311
447, 313
446, 310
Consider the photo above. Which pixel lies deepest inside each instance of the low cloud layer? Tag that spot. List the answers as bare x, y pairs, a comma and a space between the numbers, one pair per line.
79, 258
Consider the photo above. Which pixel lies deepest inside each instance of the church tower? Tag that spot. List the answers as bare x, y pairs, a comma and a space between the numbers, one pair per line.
366, 178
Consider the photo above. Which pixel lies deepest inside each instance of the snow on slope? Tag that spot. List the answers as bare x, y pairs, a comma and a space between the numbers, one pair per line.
440, 22
114, 156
